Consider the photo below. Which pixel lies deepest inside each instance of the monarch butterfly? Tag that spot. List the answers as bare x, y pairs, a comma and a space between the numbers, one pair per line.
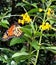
13, 31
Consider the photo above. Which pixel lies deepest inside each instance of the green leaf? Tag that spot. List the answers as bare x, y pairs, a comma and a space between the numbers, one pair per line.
34, 5
32, 26
52, 20
35, 44
43, 1
1, 16
2, 59
53, 0
27, 31
53, 7
20, 4
53, 35
34, 10
54, 51
27, 26
4, 25
18, 54
23, 49
6, 50
4, 14
50, 48
5, 22
37, 33
16, 41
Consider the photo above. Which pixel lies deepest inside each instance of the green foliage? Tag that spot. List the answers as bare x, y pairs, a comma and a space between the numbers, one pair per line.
33, 10
16, 41
35, 38
4, 23
20, 4
20, 54
35, 45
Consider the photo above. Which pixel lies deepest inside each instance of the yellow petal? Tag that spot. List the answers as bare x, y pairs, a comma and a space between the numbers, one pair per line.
40, 9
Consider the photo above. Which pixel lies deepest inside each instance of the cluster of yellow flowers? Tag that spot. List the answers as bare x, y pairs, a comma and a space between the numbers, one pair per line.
45, 26
25, 19
50, 11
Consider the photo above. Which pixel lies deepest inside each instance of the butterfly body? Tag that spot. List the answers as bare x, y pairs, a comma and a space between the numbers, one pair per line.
13, 31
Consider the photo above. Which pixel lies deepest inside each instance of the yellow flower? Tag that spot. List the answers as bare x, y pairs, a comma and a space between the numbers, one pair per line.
21, 21
49, 12
26, 17
45, 26
42, 26
49, 9
40, 9
48, 26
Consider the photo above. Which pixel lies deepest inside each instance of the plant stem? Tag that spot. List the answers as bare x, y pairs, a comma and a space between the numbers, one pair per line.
44, 20
46, 10
10, 16
38, 50
54, 29
36, 57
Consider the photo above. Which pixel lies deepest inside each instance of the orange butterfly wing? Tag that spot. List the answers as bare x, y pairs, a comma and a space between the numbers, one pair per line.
9, 33
11, 30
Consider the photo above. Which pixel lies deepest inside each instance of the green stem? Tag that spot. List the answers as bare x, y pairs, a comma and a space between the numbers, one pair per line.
46, 10
10, 16
36, 57
38, 50
41, 32
54, 29
44, 16
30, 50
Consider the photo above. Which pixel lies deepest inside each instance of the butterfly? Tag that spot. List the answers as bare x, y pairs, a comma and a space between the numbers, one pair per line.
13, 31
